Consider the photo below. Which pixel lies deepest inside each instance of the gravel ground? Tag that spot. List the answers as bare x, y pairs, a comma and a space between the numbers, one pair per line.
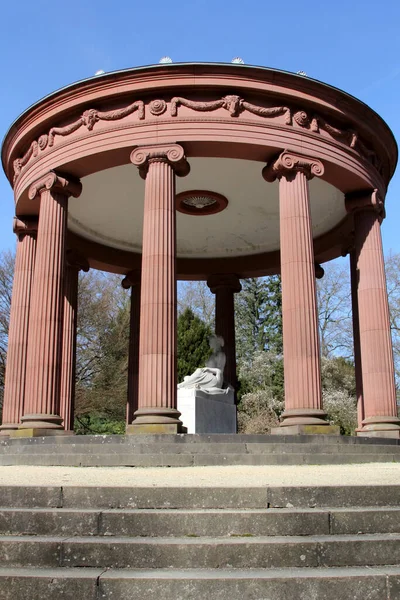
228, 476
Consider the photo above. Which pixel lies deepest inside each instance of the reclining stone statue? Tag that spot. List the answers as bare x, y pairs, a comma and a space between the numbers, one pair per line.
210, 378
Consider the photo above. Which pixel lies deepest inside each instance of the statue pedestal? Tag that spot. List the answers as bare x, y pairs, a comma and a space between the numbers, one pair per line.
207, 413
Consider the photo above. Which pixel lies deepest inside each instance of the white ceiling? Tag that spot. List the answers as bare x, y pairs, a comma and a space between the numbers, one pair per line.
110, 209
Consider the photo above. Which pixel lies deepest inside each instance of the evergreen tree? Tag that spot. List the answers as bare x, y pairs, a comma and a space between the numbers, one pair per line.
193, 343
259, 317
273, 314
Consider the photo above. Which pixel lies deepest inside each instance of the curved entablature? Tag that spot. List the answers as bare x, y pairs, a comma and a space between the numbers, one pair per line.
234, 105
160, 91
238, 114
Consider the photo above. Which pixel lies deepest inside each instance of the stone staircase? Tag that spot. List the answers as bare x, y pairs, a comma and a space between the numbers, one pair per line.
196, 450
260, 543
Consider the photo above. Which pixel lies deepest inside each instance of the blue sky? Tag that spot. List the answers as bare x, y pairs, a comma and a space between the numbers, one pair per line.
350, 44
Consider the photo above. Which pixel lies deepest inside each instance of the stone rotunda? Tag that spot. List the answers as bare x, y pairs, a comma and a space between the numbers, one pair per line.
211, 172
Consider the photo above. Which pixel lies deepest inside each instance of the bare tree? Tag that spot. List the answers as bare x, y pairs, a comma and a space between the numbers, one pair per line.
196, 295
100, 296
393, 287
334, 311
7, 261
102, 344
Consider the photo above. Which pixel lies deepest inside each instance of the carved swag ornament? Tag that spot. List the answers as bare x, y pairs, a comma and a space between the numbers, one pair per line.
234, 105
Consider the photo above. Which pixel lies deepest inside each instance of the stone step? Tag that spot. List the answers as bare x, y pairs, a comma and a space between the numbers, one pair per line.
359, 583
194, 497
132, 497
207, 553
198, 523
195, 439
188, 460
195, 450
101, 447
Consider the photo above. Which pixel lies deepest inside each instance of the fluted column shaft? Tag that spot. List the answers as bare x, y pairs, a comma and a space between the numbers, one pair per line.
132, 280
14, 386
299, 301
42, 401
301, 354
225, 327
74, 263
68, 354
356, 337
224, 287
157, 347
157, 399
379, 391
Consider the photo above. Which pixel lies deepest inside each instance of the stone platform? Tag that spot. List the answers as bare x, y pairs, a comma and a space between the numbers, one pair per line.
256, 541
196, 450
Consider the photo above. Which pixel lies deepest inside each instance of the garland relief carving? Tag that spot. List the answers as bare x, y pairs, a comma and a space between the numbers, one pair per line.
233, 104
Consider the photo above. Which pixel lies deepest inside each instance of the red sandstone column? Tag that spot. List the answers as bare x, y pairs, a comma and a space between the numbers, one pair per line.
157, 410
74, 263
43, 376
224, 287
303, 403
356, 337
132, 280
379, 391
14, 387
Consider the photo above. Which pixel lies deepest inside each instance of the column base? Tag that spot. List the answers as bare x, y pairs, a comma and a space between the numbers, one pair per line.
38, 432
380, 433
155, 419
306, 430
41, 421
384, 427
8, 428
304, 416
305, 421
151, 428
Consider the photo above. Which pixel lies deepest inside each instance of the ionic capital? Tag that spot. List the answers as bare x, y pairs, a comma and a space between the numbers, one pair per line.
58, 183
218, 281
23, 226
365, 200
75, 260
173, 154
131, 279
288, 164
